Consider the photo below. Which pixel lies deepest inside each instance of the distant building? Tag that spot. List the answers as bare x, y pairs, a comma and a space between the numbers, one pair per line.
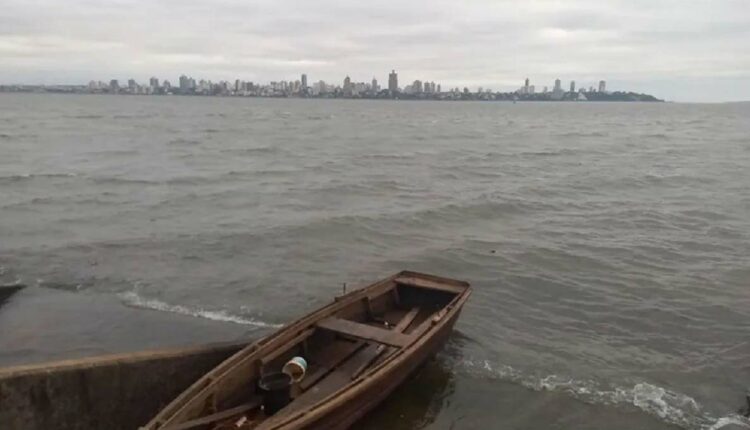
439, 89
348, 89
304, 82
184, 83
393, 82
557, 92
114, 85
375, 88
153, 83
132, 85
530, 89
525, 89
416, 87
602, 86
572, 86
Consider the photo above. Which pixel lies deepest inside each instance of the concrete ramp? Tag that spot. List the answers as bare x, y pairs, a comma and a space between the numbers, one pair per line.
8, 290
116, 392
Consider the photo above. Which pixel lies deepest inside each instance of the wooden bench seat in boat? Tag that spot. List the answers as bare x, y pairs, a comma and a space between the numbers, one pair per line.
365, 332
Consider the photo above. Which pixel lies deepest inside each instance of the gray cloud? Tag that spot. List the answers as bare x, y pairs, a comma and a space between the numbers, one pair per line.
680, 50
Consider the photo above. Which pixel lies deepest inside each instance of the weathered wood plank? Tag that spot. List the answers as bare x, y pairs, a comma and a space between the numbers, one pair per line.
292, 342
364, 331
335, 356
400, 327
429, 284
219, 416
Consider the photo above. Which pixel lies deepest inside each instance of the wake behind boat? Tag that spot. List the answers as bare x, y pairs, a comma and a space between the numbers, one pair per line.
338, 362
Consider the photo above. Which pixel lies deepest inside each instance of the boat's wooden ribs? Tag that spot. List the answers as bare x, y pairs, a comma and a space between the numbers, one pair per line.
364, 331
291, 343
219, 416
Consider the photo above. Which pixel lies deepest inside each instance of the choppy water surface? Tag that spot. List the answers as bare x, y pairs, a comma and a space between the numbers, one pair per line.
608, 244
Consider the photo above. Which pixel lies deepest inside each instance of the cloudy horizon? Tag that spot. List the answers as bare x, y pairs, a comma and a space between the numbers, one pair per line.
676, 50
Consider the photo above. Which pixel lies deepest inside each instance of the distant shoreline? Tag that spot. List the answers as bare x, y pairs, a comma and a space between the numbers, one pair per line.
581, 96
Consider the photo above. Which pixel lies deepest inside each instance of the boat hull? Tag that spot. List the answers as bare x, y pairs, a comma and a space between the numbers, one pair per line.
378, 390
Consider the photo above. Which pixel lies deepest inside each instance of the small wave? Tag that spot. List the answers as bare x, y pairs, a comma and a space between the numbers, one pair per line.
28, 176
735, 421
121, 181
132, 298
256, 150
181, 141
583, 134
84, 116
671, 407
133, 116
656, 136
117, 152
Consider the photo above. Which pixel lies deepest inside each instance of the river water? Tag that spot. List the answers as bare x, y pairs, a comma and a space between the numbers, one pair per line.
608, 244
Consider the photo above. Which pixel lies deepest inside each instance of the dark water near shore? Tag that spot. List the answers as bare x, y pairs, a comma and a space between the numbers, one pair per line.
609, 244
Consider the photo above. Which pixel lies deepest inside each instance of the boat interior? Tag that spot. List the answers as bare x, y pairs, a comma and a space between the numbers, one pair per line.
338, 348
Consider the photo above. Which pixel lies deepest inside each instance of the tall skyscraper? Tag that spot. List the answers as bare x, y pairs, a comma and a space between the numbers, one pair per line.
184, 83
602, 86
304, 82
557, 92
393, 81
375, 85
153, 82
572, 86
526, 86
348, 86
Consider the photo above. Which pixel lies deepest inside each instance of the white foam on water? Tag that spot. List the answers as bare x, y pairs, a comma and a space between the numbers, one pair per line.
132, 298
735, 421
671, 407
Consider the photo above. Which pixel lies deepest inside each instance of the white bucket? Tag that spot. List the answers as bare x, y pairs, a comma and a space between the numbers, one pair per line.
296, 368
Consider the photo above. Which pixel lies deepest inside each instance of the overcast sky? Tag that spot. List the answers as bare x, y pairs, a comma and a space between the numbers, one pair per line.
684, 50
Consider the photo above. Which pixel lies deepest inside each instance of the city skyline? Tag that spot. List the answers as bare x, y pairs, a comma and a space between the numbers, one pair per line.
186, 84
681, 52
302, 88
294, 86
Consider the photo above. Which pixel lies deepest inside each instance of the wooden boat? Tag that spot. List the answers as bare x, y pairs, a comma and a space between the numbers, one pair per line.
358, 349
